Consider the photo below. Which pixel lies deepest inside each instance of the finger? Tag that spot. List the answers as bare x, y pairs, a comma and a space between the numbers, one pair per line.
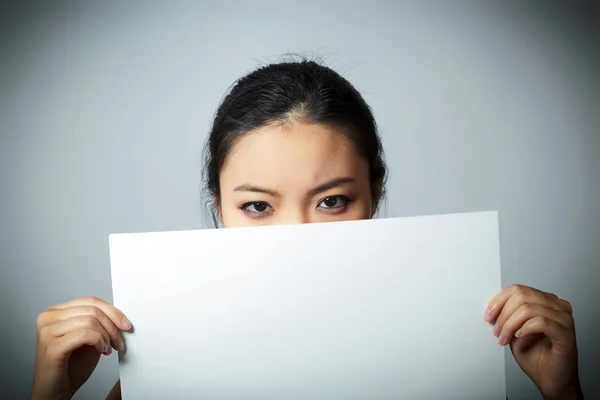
64, 327
527, 312
498, 302
519, 298
115, 315
565, 305
552, 329
559, 303
92, 312
83, 337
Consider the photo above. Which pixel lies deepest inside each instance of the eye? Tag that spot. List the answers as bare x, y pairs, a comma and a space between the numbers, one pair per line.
333, 202
256, 208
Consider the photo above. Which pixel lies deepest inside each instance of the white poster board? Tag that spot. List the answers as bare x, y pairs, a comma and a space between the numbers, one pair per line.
365, 310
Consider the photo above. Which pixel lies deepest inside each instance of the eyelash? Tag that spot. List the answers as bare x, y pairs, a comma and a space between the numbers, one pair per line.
345, 201
255, 214
262, 214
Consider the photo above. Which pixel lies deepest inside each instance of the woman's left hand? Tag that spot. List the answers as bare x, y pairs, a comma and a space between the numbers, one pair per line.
540, 329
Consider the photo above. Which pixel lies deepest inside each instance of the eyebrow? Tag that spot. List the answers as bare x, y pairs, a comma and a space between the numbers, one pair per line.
330, 184
255, 189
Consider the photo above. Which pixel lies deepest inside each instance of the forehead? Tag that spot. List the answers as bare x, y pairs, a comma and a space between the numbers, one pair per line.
293, 153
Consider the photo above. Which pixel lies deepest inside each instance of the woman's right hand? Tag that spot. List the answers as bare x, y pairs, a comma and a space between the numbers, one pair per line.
71, 336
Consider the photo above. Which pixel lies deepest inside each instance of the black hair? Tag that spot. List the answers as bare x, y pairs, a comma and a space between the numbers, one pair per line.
304, 90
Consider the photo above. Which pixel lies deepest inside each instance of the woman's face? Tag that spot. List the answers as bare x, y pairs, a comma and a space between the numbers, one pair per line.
292, 174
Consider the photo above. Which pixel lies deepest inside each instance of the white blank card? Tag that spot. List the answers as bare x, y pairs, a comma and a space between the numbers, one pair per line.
361, 310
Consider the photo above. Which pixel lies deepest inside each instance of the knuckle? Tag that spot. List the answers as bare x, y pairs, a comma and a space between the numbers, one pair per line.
543, 321
51, 307
527, 310
500, 319
570, 322
89, 321
83, 334
516, 287
520, 296
567, 306
41, 319
45, 334
93, 311
97, 336
538, 322
571, 337
92, 300
113, 331
506, 328
504, 315
96, 312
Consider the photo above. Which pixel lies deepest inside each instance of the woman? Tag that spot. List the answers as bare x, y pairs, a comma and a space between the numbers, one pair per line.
296, 143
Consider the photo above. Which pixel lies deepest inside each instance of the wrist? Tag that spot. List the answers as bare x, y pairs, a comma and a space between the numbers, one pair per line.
40, 394
571, 393
574, 393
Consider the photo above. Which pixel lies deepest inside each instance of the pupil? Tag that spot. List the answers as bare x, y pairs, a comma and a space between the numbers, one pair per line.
260, 207
330, 201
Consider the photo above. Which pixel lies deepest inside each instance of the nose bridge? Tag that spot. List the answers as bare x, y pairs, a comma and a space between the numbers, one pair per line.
292, 215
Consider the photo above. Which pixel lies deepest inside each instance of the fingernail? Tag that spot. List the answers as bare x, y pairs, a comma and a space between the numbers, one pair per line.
501, 340
120, 344
519, 333
126, 324
109, 351
496, 330
487, 315
105, 347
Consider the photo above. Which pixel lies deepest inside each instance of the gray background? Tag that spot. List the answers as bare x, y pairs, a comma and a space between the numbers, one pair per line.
104, 109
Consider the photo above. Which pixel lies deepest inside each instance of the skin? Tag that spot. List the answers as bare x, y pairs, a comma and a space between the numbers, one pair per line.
299, 174
289, 174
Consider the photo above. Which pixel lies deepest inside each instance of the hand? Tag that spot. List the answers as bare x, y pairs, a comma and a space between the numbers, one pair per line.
541, 332
71, 336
